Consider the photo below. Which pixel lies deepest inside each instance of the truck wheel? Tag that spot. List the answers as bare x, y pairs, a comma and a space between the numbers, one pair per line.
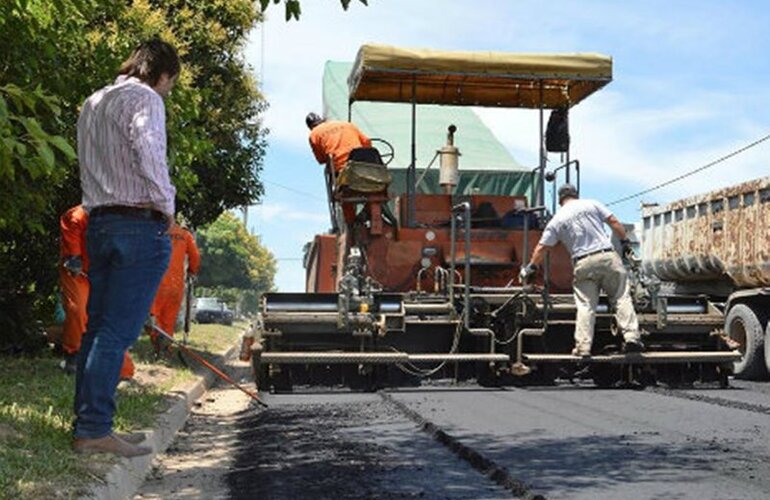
743, 326
767, 346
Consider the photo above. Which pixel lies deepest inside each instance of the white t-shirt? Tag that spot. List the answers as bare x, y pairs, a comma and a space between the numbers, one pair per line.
579, 225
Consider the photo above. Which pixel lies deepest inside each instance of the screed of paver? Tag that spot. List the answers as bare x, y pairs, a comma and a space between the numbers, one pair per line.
586, 443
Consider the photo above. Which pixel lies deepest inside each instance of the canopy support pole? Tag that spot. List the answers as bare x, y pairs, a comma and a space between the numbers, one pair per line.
411, 173
541, 171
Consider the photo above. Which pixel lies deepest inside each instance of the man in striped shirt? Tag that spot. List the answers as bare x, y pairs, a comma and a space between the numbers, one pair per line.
130, 200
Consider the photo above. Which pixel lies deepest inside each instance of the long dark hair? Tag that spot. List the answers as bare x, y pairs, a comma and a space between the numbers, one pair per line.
150, 60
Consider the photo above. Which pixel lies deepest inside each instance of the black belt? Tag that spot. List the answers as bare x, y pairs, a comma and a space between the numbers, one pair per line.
136, 212
593, 253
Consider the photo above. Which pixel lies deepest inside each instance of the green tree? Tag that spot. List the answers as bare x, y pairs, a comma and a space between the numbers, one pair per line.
292, 8
55, 53
233, 258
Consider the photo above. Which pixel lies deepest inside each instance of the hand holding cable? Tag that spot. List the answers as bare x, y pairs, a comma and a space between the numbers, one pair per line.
73, 265
626, 248
527, 273
219, 373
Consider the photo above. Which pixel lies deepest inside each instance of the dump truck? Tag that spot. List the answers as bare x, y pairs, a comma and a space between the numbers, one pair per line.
424, 283
717, 245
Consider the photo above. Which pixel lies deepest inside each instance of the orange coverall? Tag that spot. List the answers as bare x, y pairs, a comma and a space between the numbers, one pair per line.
168, 299
75, 289
337, 139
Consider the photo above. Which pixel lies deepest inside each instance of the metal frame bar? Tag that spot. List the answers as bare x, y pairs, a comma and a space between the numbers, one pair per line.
567, 179
356, 357
466, 208
640, 358
510, 76
411, 173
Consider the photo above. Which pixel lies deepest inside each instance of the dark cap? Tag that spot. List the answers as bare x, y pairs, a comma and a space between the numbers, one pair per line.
567, 191
312, 119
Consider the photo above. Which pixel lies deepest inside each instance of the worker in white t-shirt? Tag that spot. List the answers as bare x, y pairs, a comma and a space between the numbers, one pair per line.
579, 226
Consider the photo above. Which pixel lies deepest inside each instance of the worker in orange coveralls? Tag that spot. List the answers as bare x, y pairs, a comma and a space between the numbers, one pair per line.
168, 300
73, 276
335, 139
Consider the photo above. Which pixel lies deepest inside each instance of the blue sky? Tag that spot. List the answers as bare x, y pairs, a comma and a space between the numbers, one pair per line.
690, 85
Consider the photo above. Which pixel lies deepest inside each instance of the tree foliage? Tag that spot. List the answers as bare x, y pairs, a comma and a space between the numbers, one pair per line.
55, 53
232, 258
293, 9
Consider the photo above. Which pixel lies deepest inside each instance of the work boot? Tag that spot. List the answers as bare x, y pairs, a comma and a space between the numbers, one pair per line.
130, 437
631, 346
163, 347
582, 352
69, 364
109, 444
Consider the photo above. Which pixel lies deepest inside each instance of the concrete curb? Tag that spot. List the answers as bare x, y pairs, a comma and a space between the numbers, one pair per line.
127, 475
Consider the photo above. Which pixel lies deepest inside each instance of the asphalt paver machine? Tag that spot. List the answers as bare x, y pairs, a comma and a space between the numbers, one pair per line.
425, 286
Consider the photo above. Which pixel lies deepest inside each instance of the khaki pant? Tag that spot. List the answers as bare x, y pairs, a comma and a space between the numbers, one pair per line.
603, 271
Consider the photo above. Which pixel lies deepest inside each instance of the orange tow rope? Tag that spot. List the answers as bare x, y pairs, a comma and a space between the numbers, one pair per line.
208, 365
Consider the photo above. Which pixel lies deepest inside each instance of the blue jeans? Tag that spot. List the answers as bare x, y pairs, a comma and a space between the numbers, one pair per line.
128, 257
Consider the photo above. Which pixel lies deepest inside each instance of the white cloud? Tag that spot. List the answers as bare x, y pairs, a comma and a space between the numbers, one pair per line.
278, 214
688, 89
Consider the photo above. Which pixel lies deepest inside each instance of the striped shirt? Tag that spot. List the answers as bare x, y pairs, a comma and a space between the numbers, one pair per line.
122, 148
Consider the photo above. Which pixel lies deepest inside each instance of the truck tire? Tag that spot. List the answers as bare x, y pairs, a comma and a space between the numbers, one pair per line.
743, 326
767, 347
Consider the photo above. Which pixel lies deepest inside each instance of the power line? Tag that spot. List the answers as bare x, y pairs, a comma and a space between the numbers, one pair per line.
297, 191
692, 172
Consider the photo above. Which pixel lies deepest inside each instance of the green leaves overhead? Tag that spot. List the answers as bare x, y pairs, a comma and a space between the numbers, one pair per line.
27, 155
293, 8
55, 53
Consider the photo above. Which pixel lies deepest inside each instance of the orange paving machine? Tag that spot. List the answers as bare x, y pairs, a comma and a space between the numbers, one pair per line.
424, 283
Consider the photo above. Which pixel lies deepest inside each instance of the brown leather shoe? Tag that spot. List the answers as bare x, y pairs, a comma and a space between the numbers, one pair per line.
131, 437
109, 444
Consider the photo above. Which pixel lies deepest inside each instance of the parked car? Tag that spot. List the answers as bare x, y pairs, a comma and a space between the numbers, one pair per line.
212, 310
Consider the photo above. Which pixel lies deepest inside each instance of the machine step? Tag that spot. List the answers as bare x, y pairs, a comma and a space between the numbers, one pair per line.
298, 357
641, 357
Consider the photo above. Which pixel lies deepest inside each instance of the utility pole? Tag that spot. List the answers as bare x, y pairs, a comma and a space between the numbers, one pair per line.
245, 208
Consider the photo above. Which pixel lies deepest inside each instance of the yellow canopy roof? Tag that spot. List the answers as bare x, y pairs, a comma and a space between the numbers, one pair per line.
461, 78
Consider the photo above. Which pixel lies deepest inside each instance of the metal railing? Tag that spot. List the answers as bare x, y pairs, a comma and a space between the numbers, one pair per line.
465, 208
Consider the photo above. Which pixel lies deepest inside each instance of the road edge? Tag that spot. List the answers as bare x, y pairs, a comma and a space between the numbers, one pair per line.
128, 474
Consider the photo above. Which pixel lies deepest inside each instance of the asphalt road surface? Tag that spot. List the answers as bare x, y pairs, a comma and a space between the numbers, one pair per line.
458, 442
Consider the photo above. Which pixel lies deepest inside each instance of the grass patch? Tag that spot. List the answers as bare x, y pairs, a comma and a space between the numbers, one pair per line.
36, 400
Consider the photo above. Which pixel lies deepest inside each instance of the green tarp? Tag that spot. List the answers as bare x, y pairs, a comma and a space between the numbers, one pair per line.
486, 167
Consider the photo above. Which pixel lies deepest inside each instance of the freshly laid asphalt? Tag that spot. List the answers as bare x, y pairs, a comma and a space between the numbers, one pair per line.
573, 442
580, 442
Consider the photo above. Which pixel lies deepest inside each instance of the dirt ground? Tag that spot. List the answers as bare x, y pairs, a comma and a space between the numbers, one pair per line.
196, 462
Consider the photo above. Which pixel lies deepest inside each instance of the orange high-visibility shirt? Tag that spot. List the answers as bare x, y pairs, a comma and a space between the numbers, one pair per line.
182, 245
336, 139
73, 226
